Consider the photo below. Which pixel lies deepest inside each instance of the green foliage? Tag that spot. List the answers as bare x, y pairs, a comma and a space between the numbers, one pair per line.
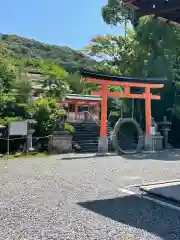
69, 127
7, 74
46, 112
6, 120
52, 70
151, 49
52, 62
113, 53
76, 82
55, 82
24, 48
114, 12
155, 43
19, 57
22, 87
9, 107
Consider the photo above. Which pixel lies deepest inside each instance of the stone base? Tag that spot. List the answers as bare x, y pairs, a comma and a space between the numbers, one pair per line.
61, 144
103, 145
153, 143
100, 154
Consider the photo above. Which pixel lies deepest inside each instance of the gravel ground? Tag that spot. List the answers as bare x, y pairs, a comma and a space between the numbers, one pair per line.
52, 198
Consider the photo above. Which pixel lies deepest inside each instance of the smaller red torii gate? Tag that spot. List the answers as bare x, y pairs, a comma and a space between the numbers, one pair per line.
83, 101
127, 83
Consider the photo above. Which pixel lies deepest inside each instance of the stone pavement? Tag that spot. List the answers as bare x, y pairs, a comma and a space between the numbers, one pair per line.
80, 198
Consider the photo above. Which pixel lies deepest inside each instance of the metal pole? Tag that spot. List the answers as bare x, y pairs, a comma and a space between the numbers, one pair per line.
27, 150
8, 143
121, 112
132, 115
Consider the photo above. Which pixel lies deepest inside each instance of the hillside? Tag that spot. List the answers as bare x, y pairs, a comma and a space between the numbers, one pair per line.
21, 47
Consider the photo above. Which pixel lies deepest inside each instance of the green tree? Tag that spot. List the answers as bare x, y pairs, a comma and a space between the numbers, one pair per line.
22, 87
155, 51
46, 112
153, 37
29, 49
7, 74
115, 54
55, 83
115, 12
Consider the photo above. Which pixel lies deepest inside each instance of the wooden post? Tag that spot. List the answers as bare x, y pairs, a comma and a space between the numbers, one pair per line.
76, 111
104, 99
98, 111
91, 110
148, 110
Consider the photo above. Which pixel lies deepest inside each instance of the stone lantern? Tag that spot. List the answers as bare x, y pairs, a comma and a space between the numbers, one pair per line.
31, 123
165, 127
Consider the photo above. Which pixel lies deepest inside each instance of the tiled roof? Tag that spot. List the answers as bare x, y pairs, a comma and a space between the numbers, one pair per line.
166, 9
83, 97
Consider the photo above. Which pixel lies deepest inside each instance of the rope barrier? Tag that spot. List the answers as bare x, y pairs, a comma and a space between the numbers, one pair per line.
132, 114
23, 144
41, 137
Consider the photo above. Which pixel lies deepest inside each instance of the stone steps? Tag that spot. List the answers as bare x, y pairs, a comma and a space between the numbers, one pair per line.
87, 135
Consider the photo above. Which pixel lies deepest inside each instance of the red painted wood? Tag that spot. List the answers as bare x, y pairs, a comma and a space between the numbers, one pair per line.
125, 95
104, 93
103, 122
80, 102
148, 111
126, 84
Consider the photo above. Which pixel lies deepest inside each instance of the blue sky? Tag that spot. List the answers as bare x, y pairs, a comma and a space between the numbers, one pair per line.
63, 22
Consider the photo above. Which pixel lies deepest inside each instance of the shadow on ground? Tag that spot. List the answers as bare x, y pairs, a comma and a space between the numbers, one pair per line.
166, 155
140, 213
86, 156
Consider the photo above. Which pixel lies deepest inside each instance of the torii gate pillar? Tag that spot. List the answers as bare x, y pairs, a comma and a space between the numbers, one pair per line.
103, 139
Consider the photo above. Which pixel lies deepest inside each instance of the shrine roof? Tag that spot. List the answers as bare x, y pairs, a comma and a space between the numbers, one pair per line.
116, 78
166, 9
83, 97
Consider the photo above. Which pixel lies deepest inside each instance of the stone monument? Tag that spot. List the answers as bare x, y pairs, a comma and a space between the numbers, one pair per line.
30, 130
61, 140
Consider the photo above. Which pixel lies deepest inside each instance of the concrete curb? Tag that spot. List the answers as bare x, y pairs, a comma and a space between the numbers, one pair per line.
160, 195
161, 182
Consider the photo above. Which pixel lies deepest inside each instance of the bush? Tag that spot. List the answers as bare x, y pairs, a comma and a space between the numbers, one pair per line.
46, 113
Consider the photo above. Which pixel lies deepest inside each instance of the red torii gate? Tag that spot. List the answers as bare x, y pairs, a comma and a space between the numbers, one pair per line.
127, 83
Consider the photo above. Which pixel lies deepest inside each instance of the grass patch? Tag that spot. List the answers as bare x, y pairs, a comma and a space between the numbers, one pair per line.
24, 155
